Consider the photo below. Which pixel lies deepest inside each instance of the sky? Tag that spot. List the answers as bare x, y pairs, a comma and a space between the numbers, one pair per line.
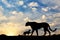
15, 13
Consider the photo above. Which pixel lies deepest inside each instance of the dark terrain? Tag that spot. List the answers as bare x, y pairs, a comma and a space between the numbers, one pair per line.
54, 37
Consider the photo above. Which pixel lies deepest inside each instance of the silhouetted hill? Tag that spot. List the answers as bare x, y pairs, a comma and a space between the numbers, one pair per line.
33, 37
3, 35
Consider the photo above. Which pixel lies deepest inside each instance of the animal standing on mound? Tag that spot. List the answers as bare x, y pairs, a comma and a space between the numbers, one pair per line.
27, 32
35, 26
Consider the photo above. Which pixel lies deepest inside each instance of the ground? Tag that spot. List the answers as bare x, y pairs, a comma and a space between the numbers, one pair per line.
54, 37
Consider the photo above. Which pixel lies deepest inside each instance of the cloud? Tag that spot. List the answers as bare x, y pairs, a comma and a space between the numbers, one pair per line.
16, 13
56, 18
45, 9
50, 2
41, 19
11, 28
20, 3
7, 4
1, 8
26, 19
57, 2
13, 12
55, 7
12, 18
21, 13
56, 15
33, 4
34, 9
19, 17
16, 16
2, 17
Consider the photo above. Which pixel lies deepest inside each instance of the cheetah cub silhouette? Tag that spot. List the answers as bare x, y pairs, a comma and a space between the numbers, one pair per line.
35, 26
27, 32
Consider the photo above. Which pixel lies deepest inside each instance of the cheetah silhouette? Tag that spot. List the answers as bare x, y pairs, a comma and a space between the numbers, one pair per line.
27, 32
35, 26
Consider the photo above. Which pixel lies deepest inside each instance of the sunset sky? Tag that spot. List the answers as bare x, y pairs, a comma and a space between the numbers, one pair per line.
15, 13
